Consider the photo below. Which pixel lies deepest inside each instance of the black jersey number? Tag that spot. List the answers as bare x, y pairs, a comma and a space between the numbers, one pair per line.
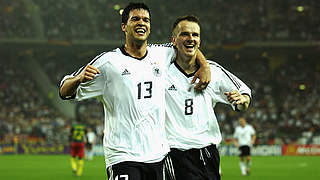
148, 89
188, 109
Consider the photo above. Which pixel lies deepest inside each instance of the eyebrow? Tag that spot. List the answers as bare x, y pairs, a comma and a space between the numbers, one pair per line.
185, 32
139, 17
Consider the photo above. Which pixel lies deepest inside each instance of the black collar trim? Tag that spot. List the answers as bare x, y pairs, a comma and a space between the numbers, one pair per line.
124, 52
182, 71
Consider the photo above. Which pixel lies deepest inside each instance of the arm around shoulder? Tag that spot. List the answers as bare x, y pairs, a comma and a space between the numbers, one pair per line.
203, 74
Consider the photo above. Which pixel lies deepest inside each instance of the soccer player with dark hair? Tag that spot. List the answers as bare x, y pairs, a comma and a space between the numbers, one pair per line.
130, 83
244, 138
191, 125
78, 139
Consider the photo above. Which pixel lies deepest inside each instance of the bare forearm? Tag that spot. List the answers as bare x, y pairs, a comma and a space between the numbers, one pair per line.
253, 140
203, 74
235, 142
201, 59
69, 87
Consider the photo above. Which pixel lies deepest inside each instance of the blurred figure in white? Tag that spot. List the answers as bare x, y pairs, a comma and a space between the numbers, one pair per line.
244, 138
91, 136
219, 149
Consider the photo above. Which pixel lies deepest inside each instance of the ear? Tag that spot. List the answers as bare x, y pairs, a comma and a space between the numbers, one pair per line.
173, 40
123, 27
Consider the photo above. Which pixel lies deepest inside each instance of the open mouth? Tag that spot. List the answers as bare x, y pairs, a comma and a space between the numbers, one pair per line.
140, 31
189, 46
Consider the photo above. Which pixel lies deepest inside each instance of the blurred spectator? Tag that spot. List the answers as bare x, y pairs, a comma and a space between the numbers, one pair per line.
223, 22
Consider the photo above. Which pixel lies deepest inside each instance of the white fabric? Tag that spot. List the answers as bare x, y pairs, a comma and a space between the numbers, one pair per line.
132, 93
244, 134
190, 117
243, 168
91, 137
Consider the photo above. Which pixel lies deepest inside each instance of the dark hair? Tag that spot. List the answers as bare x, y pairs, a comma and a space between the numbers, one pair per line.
133, 6
191, 18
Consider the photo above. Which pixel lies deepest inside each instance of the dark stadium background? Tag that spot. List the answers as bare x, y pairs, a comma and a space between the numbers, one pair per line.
271, 45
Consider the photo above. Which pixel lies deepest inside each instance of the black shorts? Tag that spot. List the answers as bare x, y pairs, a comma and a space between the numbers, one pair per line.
136, 171
193, 164
244, 151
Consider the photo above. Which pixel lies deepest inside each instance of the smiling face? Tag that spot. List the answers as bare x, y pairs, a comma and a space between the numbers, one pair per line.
186, 38
137, 27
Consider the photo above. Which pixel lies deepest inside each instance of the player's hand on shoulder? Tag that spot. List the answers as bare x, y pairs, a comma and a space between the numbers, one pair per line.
88, 73
204, 76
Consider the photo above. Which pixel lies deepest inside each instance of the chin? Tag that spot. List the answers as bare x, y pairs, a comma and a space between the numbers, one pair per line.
141, 38
190, 54
140, 41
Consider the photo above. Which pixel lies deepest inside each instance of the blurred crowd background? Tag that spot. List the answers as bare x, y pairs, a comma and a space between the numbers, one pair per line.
223, 20
272, 45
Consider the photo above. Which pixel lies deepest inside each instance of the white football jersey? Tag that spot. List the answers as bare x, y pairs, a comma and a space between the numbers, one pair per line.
244, 134
132, 92
190, 117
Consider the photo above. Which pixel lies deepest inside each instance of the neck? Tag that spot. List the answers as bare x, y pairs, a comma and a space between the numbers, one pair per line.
136, 49
188, 65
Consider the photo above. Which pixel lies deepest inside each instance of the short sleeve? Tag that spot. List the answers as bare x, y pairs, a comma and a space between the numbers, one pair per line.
252, 130
228, 82
90, 89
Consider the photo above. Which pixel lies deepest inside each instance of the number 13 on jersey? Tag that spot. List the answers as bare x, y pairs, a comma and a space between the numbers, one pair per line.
146, 89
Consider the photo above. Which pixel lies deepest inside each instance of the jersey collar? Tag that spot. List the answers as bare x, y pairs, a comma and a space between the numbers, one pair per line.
182, 71
127, 54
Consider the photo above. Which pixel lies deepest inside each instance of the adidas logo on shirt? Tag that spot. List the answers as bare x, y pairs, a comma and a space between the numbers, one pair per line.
172, 88
125, 72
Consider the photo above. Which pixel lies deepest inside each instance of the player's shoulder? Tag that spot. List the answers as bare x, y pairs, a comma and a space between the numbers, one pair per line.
160, 46
152, 45
214, 65
98, 60
250, 126
216, 69
236, 129
105, 57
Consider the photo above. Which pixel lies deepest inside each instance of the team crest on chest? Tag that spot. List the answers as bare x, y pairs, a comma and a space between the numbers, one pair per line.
156, 71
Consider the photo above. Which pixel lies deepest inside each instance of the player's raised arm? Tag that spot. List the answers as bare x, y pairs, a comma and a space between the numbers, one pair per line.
203, 74
70, 85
